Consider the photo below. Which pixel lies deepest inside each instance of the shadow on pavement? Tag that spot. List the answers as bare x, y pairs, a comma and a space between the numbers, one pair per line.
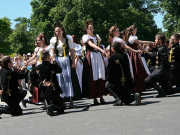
31, 109
149, 102
28, 113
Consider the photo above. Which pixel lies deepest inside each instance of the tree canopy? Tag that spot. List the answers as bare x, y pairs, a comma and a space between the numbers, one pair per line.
21, 38
74, 13
5, 31
104, 13
171, 11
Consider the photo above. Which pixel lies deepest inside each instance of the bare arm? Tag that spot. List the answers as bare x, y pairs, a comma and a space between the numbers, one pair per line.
33, 62
52, 52
142, 48
31, 59
73, 58
77, 58
142, 42
128, 48
96, 47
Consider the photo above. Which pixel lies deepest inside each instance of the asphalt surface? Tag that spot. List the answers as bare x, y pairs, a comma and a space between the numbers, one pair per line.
155, 116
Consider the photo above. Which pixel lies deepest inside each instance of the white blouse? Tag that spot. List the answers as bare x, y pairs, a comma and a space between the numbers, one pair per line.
85, 38
36, 49
59, 46
78, 50
40, 49
117, 39
132, 39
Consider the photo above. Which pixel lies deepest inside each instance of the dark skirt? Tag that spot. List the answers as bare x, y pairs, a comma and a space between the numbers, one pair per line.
139, 72
91, 88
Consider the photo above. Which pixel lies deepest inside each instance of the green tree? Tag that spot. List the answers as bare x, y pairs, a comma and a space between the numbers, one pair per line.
5, 31
40, 21
21, 38
105, 14
171, 11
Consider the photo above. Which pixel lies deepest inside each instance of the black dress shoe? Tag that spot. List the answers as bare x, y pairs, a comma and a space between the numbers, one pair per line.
24, 101
96, 102
50, 111
137, 97
71, 107
1, 111
177, 90
118, 103
102, 101
160, 95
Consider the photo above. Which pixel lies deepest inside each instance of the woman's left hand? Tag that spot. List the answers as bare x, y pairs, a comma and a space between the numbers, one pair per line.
150, 53
73, 66
1, 92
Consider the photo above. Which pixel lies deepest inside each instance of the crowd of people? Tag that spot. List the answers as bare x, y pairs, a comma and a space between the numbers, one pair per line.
69, 69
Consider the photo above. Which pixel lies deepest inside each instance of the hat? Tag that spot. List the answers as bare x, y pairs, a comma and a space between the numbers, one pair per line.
29, 54
78, 50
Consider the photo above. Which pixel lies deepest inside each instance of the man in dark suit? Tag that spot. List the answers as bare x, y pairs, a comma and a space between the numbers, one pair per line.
10, 92
175, 58
161, 73
120, 80
151, 58
44, 77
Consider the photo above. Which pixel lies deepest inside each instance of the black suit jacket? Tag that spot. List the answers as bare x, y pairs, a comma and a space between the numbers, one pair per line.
9, 83
175, 58
162, 70
46, 71
151, 58
119, 72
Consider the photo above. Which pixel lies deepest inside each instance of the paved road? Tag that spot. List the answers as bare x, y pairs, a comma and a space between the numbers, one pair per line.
154, 116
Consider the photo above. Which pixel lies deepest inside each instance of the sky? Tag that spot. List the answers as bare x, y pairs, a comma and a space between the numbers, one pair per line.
22, 8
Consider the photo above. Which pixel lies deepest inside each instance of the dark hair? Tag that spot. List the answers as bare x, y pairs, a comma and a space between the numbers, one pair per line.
167, 42
57, 24
111, 30
43, 37
129, 32
75, 39
116, 45
162, 37
122, 33
1, 55
44, 55
176, 36
0, 62
150, 45
89, 22
5, 60
36, 42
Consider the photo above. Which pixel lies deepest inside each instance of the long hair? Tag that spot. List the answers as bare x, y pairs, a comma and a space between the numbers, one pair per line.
122, 33
75, 39
57, 24
111, 35
129, 32
89, 22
